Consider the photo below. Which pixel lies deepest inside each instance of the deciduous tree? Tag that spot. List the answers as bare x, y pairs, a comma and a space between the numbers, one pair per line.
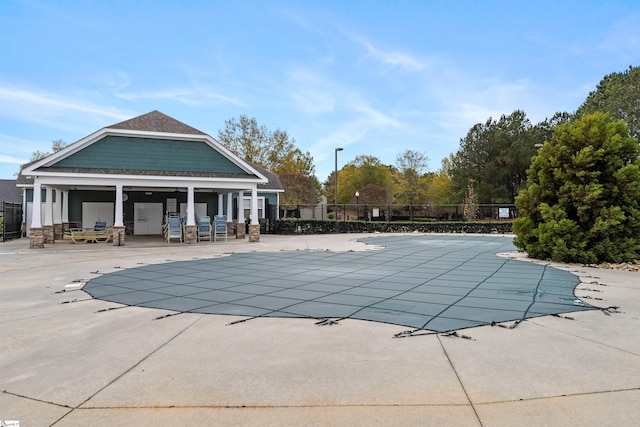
275, 151
410, 180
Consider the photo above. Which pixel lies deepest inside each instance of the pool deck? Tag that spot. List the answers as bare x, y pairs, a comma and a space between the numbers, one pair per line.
67, 359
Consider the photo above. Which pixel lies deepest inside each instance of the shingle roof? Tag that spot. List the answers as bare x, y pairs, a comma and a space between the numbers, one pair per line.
274, 182
156, 121
9, 192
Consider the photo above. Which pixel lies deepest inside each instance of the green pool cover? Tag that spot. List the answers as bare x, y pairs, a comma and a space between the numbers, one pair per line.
433, 282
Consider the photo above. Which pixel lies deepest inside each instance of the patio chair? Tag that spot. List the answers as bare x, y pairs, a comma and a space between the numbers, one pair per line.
174, 229
204, 228
219, 227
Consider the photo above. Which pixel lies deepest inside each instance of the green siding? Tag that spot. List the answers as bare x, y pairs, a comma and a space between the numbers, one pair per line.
131, 153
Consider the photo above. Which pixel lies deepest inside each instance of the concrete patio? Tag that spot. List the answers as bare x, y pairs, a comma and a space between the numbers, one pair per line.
70, 360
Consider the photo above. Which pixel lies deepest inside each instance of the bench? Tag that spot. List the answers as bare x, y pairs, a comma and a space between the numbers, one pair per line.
84, 235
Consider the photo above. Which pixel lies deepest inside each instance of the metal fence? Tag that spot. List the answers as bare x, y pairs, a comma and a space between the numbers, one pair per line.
10, 220
392, 213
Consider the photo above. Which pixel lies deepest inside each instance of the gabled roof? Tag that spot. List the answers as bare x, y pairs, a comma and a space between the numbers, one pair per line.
156, 121
145, 129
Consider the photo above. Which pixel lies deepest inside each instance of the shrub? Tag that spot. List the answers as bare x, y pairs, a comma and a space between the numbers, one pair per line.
582, 201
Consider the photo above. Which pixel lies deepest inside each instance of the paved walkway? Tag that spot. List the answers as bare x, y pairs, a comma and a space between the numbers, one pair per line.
69, 359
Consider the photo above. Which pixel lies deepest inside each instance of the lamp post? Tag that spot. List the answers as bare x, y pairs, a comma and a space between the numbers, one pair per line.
357, 213
335, 210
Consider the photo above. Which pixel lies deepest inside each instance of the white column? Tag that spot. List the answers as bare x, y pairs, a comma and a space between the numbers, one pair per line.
48, 207
220, 202
191, 206
65, 207
277, 206
241, 207
254, 207
36, 215
229, 207
24, 207
118, 218
57, 207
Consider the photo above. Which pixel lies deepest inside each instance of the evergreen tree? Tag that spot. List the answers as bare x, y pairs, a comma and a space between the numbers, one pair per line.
619, 95
582, 200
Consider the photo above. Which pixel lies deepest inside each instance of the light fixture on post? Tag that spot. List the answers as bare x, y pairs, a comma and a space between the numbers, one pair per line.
357, 213
335, 210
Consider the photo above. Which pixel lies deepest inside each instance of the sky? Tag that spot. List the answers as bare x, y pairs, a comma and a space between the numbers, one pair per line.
372, 77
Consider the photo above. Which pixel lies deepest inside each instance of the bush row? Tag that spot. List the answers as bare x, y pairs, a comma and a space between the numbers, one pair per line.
327, 227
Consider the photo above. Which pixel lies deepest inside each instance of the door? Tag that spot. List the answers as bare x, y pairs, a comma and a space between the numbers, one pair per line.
97, 211
147, 219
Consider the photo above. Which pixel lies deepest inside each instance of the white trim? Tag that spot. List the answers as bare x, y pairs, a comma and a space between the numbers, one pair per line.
144, 181
96, 136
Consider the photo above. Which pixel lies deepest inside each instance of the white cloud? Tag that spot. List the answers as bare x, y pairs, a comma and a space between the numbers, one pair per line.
392, 59
54, 110
184, 96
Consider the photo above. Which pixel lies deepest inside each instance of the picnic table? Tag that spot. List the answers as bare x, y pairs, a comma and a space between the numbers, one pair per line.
89, 235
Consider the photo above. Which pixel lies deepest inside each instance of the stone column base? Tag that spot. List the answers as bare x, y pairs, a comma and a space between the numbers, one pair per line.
190, 234
118, 236
49, 237
36, 238
231, 228
57, 232
254, 233
65, 227
240, 231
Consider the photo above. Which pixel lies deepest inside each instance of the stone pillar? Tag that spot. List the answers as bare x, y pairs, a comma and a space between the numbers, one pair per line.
190, 234
36, 238
49, 236
58, 232
231, 228
241, 230
254, 233
118, 235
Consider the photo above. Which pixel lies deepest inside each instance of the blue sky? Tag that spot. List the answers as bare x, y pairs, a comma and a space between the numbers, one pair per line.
373, 77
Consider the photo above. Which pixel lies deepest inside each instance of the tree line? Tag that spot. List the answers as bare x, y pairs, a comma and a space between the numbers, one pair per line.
490, 165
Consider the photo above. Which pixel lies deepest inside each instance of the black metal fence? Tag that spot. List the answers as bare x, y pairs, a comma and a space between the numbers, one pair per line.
10, 220
403, 213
